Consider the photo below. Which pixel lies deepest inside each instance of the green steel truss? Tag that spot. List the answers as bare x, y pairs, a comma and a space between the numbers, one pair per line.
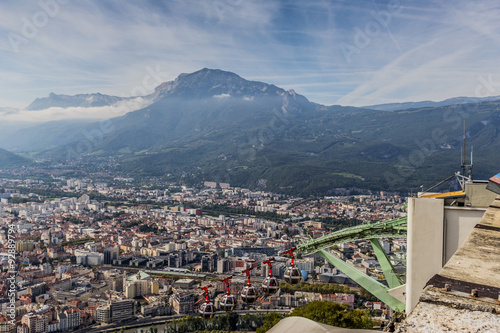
395, 228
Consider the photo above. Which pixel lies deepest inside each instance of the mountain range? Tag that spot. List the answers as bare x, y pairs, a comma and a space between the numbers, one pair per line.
431, 104
215, 125
80, 100
10, 160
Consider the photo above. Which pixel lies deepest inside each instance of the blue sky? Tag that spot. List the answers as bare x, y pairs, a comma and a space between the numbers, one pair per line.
333, 52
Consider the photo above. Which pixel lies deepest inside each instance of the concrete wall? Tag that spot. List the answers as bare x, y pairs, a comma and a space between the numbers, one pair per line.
476, 195
425, 245
435, 232
458, 224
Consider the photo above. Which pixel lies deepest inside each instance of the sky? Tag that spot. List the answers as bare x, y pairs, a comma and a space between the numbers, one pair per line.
333, 52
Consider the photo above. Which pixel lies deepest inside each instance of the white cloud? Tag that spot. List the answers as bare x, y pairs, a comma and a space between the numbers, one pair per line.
89, 46
221, 96
441, 57
105, 46
57, 113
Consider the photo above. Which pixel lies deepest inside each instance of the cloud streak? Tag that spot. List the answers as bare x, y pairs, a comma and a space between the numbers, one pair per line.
58, 113
430, 50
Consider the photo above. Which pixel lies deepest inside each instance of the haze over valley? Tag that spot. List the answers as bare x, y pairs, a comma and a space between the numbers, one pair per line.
213, 125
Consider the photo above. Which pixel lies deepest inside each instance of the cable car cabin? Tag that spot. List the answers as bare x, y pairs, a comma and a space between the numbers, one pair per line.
249, 294
228, 302
293, 275
207, 310
270, 285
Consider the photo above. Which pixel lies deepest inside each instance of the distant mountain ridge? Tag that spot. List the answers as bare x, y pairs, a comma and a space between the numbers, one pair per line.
431, 104
11, 160
203, 83
215, 125
79, 100
7, 110
193, 104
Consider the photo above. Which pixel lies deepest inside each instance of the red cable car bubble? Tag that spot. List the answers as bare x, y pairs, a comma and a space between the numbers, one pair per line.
292, 275
228, 301
207, 309
270, 284
249, 293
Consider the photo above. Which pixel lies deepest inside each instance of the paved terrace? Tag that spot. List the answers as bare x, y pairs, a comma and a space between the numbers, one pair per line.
464, 296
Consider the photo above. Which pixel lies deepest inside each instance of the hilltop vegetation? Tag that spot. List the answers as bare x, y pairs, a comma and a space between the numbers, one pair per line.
329, 313
9, 160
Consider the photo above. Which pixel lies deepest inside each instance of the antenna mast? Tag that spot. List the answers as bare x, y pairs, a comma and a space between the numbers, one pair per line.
471, 163
465, 166
463, 156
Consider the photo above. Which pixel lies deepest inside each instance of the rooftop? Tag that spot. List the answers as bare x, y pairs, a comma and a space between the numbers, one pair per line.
464, 295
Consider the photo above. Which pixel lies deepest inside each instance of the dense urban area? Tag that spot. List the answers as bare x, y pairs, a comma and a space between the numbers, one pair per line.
81, 254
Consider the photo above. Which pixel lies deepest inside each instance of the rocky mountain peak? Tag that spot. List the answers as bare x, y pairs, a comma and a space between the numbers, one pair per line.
207, 83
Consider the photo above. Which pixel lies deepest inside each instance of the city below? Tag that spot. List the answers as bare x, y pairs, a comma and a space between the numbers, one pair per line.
98, 255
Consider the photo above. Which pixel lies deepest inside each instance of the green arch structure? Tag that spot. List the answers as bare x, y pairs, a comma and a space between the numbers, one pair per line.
395, 228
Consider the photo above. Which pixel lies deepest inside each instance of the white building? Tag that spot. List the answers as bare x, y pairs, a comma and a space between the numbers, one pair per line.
438, 225
73, 316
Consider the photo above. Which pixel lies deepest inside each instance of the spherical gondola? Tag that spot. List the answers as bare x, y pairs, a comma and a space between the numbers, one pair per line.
249, 293
228, 302
270, 284
207, 309
292, 275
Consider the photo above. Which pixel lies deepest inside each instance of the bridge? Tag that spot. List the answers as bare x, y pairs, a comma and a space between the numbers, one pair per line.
395, 228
